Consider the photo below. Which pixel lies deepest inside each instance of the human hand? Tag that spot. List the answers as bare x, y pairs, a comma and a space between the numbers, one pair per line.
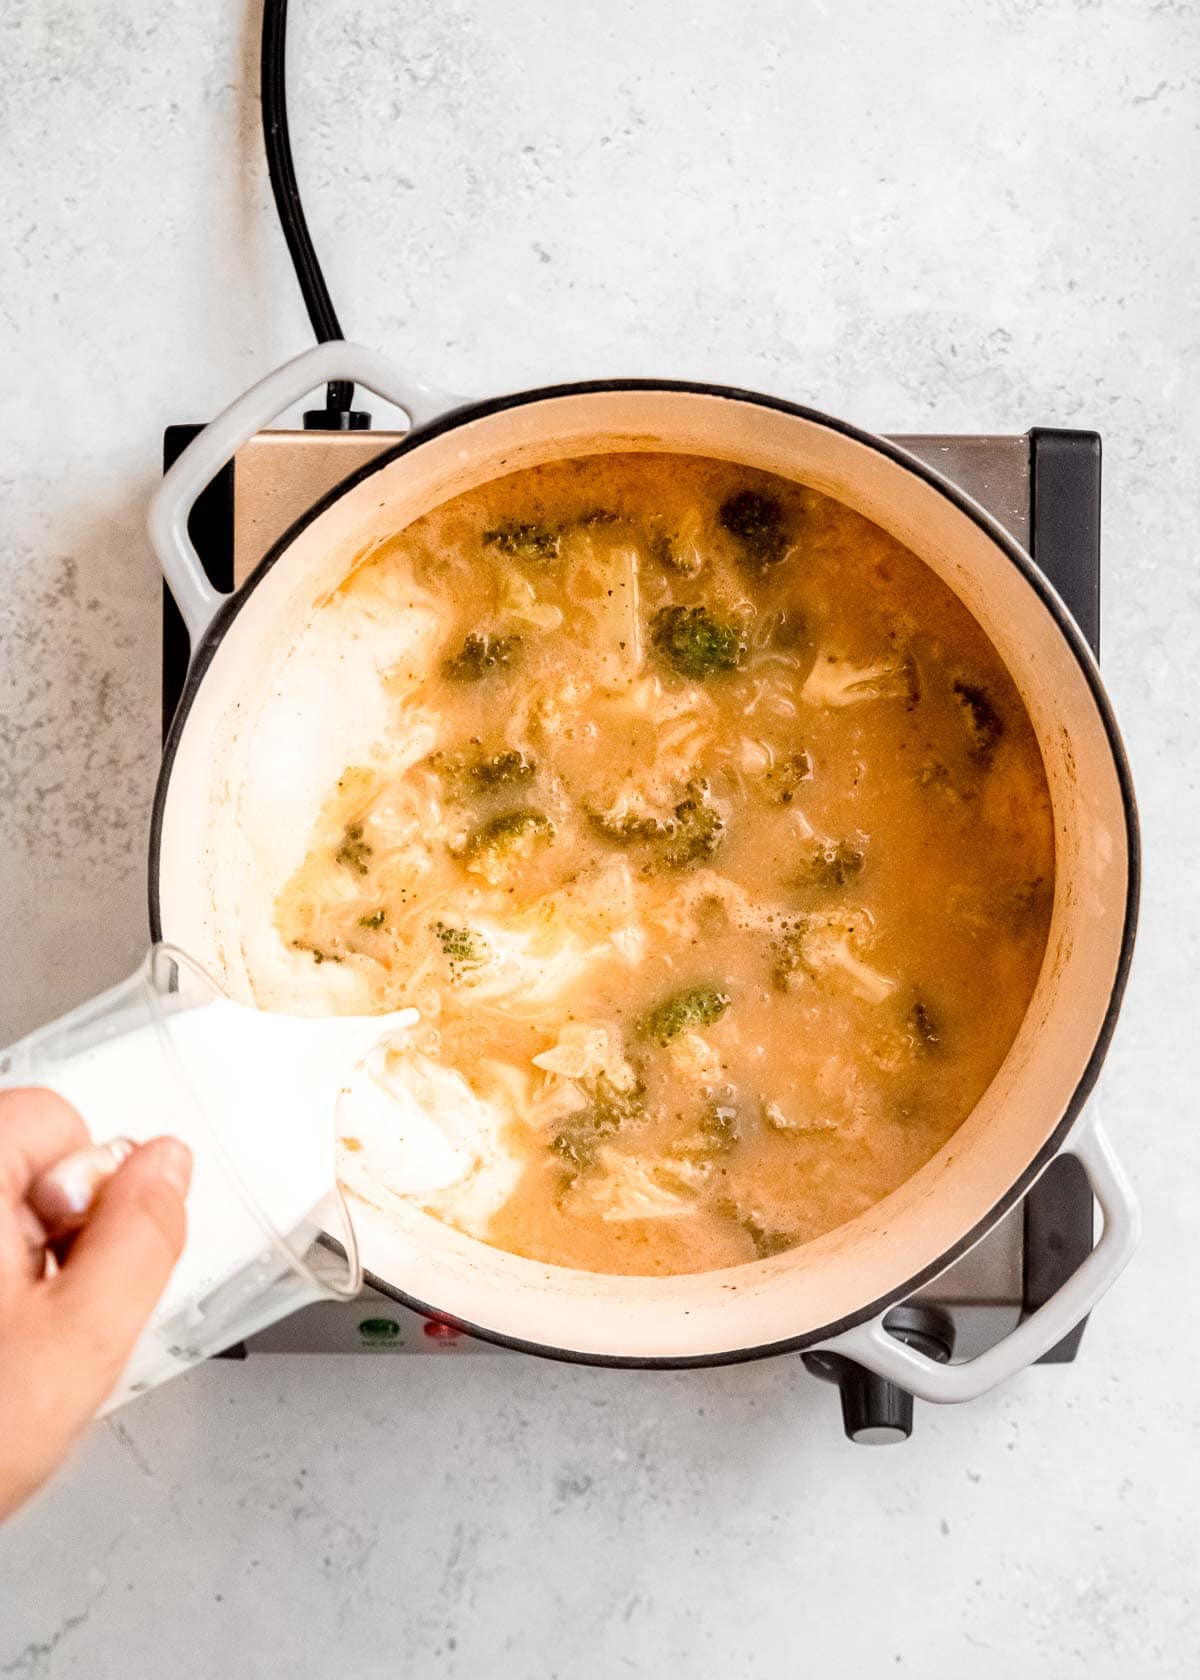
68, 1324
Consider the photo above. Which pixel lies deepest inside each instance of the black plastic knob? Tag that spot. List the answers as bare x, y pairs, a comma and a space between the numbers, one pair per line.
876, 1412
336, 420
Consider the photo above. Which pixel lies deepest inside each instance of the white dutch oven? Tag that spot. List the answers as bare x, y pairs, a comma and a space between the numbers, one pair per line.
834, 1292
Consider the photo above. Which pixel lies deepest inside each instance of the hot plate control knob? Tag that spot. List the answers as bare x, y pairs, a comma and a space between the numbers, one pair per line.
876, 1412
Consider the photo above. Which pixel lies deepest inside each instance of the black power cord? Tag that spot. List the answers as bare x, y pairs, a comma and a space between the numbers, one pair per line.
339, 413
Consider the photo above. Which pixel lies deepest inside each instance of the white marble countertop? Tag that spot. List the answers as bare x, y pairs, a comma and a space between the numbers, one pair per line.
973, 216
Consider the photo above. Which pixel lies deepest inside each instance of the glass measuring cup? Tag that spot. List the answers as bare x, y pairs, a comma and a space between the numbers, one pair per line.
253, 1096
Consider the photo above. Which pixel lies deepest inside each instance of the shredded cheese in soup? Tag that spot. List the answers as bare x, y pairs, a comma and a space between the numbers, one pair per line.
713, 845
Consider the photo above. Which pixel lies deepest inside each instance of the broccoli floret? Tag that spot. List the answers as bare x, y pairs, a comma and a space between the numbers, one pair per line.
353, 851
479, 656
834, 681
689, 834
496, 848
983, 722
375, 920
609, 1108
694, 832
717, 1131
767, 1241
757, 524
463, 948
787, 774
615, 1104
477, 771
526, 540
790, 964
501, 769
629, 828
830, 864
696, 644
577, 1145
687, 1011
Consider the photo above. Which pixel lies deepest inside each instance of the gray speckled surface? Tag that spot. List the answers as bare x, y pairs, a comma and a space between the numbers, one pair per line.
971, 215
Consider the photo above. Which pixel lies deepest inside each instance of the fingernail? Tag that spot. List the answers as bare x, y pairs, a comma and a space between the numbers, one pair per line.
63, 1194
174, 1163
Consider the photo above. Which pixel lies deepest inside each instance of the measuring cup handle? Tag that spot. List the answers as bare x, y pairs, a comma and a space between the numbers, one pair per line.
216, 445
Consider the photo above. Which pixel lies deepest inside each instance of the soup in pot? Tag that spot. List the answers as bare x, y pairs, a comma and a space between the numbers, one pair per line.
711, 840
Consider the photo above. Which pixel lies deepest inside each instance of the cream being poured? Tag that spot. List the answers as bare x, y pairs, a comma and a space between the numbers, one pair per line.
262, 1099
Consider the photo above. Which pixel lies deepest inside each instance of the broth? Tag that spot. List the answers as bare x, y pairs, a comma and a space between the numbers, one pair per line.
713, 845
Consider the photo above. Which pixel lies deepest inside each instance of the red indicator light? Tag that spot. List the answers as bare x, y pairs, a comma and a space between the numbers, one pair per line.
437, 1331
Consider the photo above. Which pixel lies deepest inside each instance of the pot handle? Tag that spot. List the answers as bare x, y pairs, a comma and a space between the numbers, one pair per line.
871, 1346
217, 444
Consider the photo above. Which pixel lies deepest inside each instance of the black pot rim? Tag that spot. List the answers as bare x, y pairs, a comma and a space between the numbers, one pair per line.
215, 633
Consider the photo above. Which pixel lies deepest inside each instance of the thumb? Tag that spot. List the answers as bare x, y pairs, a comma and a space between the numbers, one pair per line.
119, 1263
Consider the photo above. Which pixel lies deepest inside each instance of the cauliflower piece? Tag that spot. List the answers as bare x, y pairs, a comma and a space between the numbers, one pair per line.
838, 681
685, 1171
548, 712
599, 906
585, 1051
535, 1100
681, 548
628, 1187
669, 732
826, 947
845, 1094
836, 1097
537, 956
599, 902
589, 1059
694, 1059
529, 967
606, 589
781, 1119
518, 600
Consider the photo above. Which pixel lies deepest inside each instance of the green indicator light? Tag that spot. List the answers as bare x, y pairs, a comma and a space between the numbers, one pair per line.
379, 1330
